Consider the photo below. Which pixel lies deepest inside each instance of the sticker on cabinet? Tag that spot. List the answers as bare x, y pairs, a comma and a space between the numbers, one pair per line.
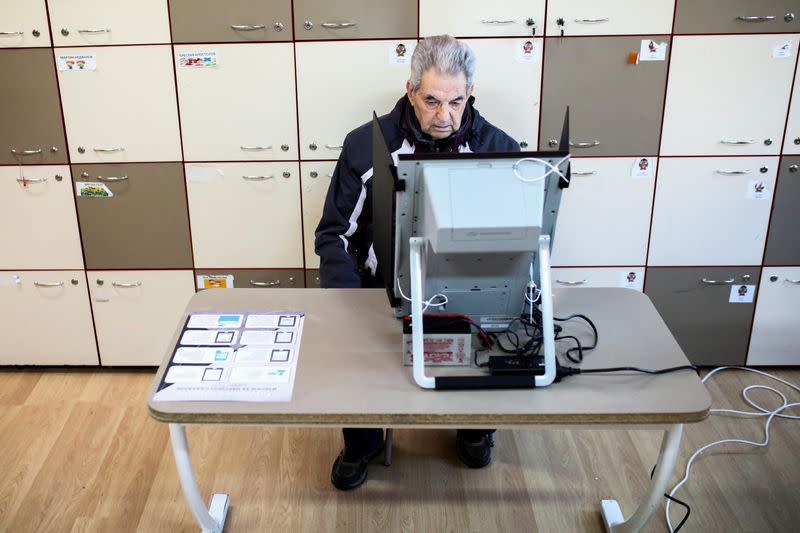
629, 280
204, 59
526, 51
757, 190
400, 52
742, 294
77, 62
652, 51
215, 282
92, 188
642, 168
782, 51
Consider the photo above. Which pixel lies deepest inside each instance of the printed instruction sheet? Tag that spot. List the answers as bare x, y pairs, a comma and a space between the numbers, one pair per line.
241, 357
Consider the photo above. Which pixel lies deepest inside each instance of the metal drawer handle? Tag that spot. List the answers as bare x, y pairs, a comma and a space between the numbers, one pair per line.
255, 148
737, 141
273, 283
11, 33
258, 178
732, 172
592, 21
338, 25
248, 27
334, 146
795, 281
756, 19
115, 149
31, 180
495, 21
579, 282
112, 178
27, 152
95, 30
49, 284
717, 282
122, 285
583, 172
584, 144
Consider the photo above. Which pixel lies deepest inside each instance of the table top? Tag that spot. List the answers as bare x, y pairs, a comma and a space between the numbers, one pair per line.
350, 370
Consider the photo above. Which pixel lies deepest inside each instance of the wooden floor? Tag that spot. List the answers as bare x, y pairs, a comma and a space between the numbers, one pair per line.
79, 453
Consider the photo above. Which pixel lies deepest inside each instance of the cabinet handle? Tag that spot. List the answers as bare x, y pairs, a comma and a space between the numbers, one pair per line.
717, 282
756, 19
27, 152
114, 149
732, 172
795, 281
248, 27
583, 172
592, 21
49, 284
258, 178
333, 146
579, 282
11, 33
255, 148
31, 180
112, 178
737, 141
95, 30
273, 283
338, 25
584, 144
122, 285
495, 21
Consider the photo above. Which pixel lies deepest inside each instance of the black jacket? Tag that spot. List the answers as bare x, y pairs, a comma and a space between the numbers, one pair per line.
344, 234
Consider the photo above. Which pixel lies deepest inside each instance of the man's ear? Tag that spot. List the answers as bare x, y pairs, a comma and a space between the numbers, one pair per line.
469, 91
408, 92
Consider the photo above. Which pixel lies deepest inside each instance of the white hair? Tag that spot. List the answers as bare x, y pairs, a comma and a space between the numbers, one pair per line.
444, 53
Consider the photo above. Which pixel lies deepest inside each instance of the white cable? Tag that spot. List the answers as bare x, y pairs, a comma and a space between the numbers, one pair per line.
428, 302
762, 411
553, 168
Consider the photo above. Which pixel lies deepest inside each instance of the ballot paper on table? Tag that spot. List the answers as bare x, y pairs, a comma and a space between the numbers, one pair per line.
234, 356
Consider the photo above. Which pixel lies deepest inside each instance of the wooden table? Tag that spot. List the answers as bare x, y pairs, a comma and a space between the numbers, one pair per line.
350, 374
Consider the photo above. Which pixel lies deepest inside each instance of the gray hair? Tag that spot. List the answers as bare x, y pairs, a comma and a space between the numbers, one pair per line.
444, 53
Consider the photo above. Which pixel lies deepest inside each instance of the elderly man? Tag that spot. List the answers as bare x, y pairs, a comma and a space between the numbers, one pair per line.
435, 115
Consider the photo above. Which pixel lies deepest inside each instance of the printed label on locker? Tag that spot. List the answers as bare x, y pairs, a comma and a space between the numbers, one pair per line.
267, 337
400, 52
630, 280
742, 294
202, 355
782, 51
642, 168
215, 321
272, 321
215, 282
204, 59
94, 189
198, 174
757, 190
259, 374
202, 337
652, 51
77, 62
526, 50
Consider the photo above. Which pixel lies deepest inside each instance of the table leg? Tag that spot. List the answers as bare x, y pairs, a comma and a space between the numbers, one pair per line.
387, 450
211, 520
612, 514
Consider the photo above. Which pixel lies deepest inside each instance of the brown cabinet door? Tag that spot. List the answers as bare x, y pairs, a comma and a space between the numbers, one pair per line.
253, 278
737, 16
32, 132
312, 279
783, 244
354, 19
144, 224
199, 21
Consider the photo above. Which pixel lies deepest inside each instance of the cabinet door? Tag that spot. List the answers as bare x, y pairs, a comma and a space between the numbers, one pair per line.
775, 340
52, 322
312, 279
791, 142
250, 278
111, 115
38, 226
24, 24
316, 178
354, 19
477, 18
736, 16
143, 224
30, 102
625, 277
710, 211
696, 305
346, 80
245, 215
234, 111
93, 22
604, 218
211, 21
609, 17
783, 245
719, 101
135, 313
615, 107
507, 86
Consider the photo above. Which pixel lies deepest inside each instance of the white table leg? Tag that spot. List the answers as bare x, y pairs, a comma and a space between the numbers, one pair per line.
612, 514
211, 520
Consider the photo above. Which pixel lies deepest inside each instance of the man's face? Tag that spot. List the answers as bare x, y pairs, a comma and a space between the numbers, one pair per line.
439, 102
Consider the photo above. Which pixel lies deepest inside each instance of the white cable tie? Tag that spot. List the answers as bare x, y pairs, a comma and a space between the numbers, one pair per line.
553, 168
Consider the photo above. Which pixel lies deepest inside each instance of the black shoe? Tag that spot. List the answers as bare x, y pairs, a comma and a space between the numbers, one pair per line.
351, 472
475, 452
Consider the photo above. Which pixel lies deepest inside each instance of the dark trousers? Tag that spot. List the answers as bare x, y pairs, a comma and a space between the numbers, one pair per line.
365, 441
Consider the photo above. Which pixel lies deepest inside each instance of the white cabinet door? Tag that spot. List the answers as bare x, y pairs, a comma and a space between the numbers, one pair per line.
93, 22
727, 95
508, 83
478, 18
339, 85
625, 277
775, 339
46, 319
791, 143
244, 108
38, 225
23, 24
712, 211
126, 110
316, 178
604, 218
245, 215
609, 17
136, 312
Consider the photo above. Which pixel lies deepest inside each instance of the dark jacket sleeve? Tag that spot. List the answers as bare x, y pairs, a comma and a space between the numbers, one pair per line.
337, 267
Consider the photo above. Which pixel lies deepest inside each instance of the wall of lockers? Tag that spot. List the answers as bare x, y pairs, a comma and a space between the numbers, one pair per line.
214, 127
